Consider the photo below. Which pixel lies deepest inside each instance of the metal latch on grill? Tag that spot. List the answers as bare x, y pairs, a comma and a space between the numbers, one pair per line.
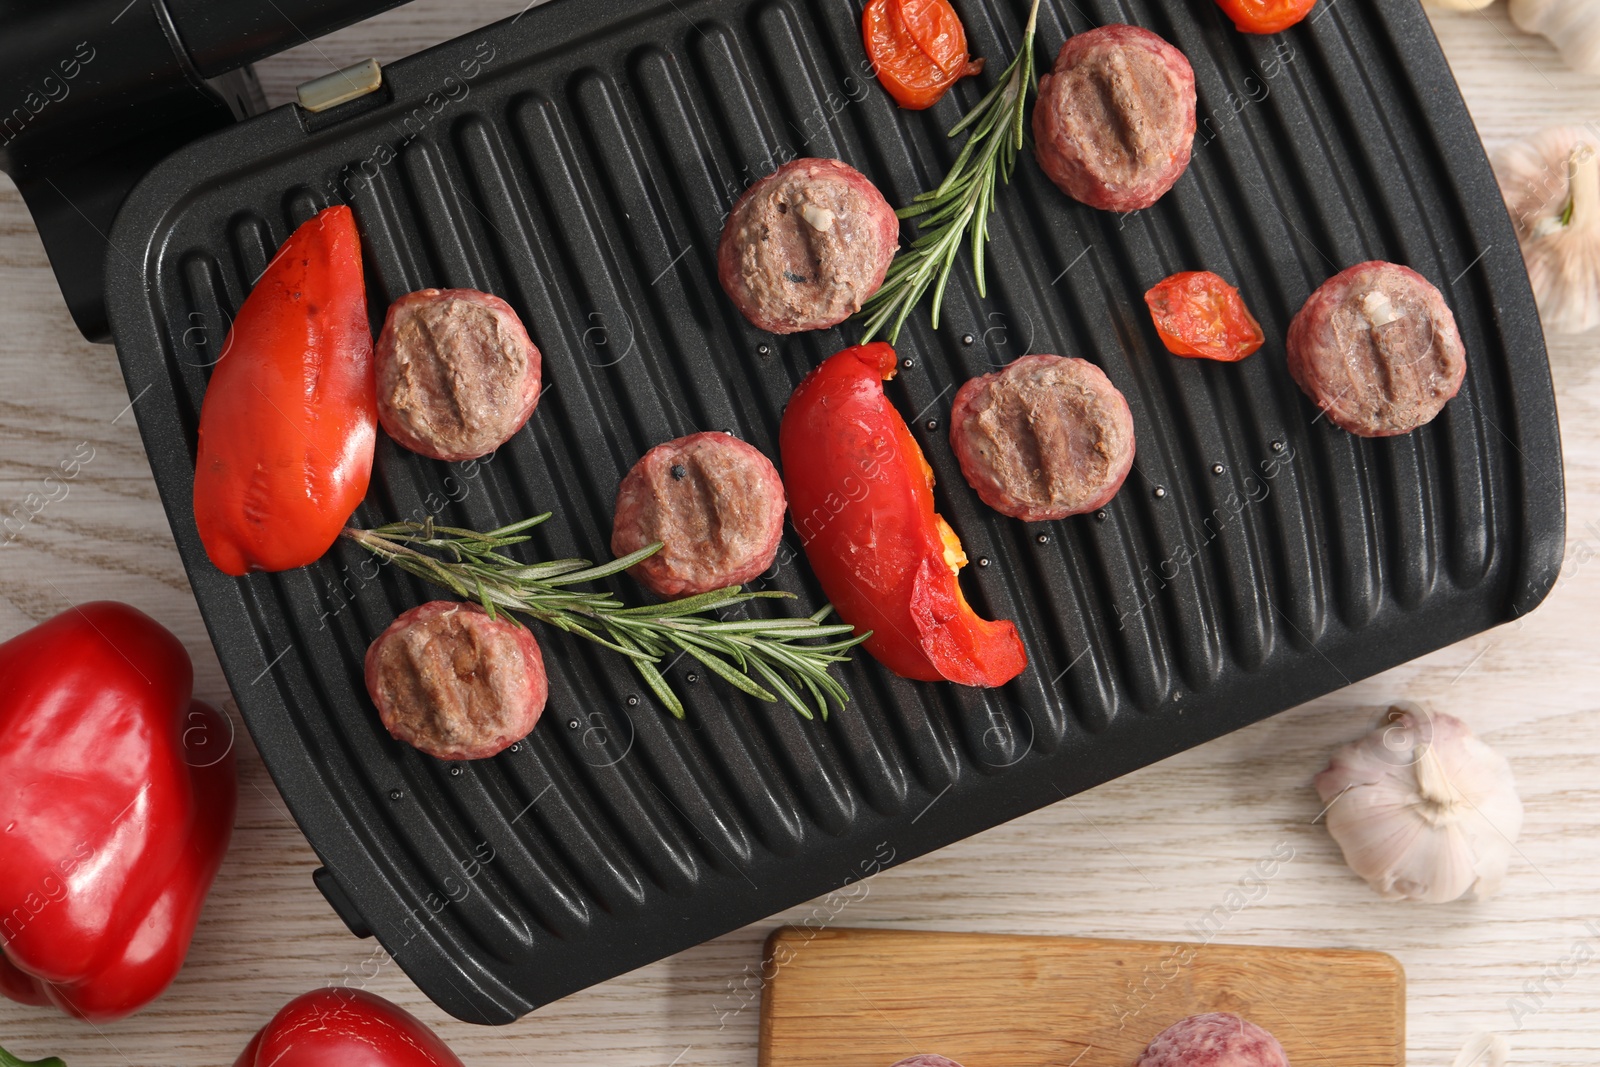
340, 87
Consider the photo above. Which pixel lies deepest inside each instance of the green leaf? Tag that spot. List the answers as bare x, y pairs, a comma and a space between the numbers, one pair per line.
778, 682
726, 671
8, 1060
710, 601
605, 570
756, 626
544, 571
518, 527
658, 685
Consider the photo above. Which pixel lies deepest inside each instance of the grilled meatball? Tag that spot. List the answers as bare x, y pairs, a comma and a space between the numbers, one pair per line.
451, 681
1114, 123
1045, 438
715, 504
1216, 1039
805, 246
1377, 349
457, 373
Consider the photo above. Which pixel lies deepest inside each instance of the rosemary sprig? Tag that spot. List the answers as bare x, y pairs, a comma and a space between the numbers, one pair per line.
961, 203
762, 657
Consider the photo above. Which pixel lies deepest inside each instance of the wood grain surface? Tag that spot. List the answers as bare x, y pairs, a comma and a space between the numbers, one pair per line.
869, 998
1143, 857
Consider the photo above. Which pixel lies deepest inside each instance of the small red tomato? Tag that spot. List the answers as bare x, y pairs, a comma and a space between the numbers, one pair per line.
918, 49
1199, 314
1266, 16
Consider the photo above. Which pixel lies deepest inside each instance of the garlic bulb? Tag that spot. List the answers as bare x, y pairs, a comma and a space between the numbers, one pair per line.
1573, 26
1551, 185
1422, 809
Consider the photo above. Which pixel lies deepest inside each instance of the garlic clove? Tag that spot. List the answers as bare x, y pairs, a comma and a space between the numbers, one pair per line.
1460, 5
1573, 26
1422, 809
1551, 186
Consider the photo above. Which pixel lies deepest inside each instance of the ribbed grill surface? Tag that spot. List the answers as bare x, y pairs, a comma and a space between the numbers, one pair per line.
1257, 558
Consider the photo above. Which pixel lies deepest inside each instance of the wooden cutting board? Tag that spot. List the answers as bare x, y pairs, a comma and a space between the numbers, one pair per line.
867, 998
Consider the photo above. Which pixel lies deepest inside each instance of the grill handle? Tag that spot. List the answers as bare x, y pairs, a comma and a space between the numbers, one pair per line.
93, 93
223, 35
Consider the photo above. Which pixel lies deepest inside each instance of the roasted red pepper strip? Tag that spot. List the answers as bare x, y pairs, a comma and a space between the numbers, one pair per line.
861, 497
918, 49
345, 1028
117, 796
290, 417
1198, 314
1265, 16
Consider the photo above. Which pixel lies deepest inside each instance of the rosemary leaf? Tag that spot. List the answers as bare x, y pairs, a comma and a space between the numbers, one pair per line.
715, 600
790, 697
725, 670
514, 528
658, 685
605, 570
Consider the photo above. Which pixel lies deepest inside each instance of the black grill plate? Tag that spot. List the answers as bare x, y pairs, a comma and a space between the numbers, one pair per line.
578, 161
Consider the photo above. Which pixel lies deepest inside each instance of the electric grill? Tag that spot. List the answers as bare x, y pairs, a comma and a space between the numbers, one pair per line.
578, 160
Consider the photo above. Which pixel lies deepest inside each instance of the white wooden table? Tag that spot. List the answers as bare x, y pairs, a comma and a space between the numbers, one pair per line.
1142, 857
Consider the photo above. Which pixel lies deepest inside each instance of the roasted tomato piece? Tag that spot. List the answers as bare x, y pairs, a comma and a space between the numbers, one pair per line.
861, 497
1199, 314
918, 49
1266, 16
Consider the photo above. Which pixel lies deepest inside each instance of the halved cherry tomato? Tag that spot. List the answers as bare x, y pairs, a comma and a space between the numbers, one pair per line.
861, 497
1199, 314
918, 49
1266, 16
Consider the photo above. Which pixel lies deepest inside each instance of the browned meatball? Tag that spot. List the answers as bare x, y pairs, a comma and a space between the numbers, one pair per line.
457, 373
1047, 437
1215, 1039
715, 504
1377, 349
805, 246
451, 681
1114, 123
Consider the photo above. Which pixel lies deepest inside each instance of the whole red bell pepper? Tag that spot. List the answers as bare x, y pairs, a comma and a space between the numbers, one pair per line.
290, 417
345, 1028
117, 796
861, 498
